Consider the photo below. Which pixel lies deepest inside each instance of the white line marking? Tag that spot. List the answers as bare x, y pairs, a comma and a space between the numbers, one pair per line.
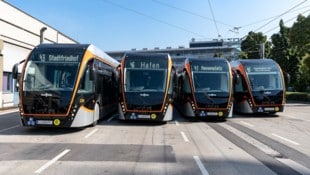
247, 124
200, 165
288, 140
184, 136
91, 133
261, 146
16, 126
296, 166
49, 163
177, 123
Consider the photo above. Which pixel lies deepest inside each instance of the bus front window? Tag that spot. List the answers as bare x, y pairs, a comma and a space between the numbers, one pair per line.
265, 81
145, 80
49, 76
212, 82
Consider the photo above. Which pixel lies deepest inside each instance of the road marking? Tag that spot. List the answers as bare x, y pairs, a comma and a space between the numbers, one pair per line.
91, 133
16, 126
177, 123
288, 140
296, 166
247, 124
184, 136
200, 165
49, 163
261, 146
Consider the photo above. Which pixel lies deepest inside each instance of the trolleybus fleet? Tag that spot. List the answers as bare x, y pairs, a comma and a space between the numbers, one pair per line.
259, 86
205, 88
66, 85
146, 87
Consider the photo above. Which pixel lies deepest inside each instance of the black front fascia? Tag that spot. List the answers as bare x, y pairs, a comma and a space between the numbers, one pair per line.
149, 101
269, 97
212, 100
47, 102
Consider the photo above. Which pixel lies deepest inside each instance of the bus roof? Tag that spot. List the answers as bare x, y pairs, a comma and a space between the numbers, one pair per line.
146, 55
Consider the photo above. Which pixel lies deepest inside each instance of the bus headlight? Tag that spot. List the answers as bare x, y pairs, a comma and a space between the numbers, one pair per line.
56, 122
220, 114
277, 109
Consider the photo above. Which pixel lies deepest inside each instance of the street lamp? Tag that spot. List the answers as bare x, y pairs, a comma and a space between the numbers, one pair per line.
41, 34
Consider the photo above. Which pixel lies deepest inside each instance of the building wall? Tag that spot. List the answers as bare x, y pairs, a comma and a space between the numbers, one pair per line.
19, 34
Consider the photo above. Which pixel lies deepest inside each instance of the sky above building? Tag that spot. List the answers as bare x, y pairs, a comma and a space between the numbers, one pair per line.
115, 25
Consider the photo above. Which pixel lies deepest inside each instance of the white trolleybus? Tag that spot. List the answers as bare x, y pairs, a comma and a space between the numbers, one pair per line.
66, 85
205, 88
259, 86
146, 87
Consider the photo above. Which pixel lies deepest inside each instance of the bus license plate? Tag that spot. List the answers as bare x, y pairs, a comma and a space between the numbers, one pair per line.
212, 113
44, 122
269, 109
144, 116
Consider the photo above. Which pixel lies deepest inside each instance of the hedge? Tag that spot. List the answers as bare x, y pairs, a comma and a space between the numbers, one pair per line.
298, 96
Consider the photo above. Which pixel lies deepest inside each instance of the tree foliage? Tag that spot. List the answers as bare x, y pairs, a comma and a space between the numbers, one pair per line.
252, 46
290, 47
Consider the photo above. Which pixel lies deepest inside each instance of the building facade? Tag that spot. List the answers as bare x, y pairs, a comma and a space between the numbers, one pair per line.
19, 34
200, 49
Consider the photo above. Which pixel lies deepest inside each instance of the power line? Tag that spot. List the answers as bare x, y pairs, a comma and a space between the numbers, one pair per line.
265, 19
218, 33
280, 15
286, 21
153, 18
189, 12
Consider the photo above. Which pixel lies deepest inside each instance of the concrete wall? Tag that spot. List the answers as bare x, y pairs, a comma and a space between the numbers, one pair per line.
19, 34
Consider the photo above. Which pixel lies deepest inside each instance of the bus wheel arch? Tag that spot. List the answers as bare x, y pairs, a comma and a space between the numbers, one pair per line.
96, 116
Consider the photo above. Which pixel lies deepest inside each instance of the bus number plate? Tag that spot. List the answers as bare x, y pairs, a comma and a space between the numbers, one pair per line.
144, 116
44, 122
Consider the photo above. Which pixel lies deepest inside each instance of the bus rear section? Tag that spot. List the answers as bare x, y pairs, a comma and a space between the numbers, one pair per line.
205, 88
146, 87
66, 85
259, 86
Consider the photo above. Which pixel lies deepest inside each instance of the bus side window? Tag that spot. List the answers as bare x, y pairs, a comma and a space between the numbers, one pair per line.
86, 83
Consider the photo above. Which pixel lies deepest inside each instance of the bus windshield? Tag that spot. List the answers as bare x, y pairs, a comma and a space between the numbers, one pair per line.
145, 80
51, 71
210, 76
211, 81
264, 77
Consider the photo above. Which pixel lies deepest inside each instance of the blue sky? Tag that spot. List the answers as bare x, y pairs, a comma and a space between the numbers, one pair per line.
114, 25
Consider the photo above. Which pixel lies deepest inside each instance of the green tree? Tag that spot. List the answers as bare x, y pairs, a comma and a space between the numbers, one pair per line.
282, 53
251, 46
300, 41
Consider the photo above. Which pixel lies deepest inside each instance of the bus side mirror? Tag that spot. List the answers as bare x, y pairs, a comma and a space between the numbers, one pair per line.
15, 71
237, 78
91, 73
287, 78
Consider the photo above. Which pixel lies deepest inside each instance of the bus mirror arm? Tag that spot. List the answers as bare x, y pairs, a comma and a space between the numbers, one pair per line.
237, 78
15, 69
287, 78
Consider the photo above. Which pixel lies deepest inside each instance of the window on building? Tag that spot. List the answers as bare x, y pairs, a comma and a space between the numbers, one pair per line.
7, 82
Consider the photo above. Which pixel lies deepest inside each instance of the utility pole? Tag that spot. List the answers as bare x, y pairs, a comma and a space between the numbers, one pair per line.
262, 50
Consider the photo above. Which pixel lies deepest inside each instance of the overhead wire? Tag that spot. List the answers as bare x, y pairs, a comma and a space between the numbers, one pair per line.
278, 16
293, 18
217, 29
154, 19
190, 12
